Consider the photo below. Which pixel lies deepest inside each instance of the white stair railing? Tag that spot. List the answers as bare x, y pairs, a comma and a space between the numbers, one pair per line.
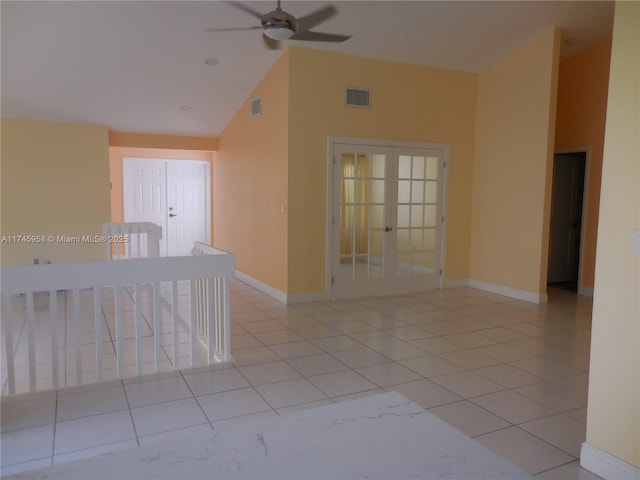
212, 293
132, 240
39, 331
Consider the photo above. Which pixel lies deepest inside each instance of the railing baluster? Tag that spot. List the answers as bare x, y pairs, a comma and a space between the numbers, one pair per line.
174, 322
31, 342
7, 314
53, 318
209, 316
75, 305
192, 324
226, 322
156, 324
118, 312
138, 328
97, 313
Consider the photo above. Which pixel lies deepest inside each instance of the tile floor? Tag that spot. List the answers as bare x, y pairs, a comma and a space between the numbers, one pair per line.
510, 374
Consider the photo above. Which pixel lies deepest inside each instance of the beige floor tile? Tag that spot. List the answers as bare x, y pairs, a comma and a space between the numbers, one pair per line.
27, 444
469, 359
431, 366
513, 407
505, 353
467, 384
560, 431
163, 417
469, 418
387, 374
268, 372
555, 395
290, 392
337, 343
507, 375
437, 345
91, 402
425, 393
570, 471
234, 403
523, 449
214, 381
295, 349
341, 383
361, 357
470, 339
317, 364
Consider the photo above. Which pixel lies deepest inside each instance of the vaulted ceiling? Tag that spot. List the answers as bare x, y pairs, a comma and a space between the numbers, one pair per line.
152, 66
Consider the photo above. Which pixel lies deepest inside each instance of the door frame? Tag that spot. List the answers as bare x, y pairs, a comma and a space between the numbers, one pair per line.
374, 142
582, 290
207, 196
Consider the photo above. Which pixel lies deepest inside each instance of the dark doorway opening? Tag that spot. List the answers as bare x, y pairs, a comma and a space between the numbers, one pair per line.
566, 220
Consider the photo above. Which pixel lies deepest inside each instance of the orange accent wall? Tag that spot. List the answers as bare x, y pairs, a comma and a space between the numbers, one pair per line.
511, 173
580, 122
116, 154
251, 182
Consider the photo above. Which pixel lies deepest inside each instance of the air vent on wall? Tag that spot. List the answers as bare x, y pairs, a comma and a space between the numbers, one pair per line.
256, 107
357, 97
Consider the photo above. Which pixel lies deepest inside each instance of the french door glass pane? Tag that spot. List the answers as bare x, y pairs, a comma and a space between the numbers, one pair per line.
362, 215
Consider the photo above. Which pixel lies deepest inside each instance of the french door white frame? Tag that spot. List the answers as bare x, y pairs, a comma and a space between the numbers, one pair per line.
368, 142
164, 242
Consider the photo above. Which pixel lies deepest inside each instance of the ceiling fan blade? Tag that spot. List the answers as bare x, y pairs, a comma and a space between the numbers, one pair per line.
245, 9
232, 29
320, 37
309, 21
270, 43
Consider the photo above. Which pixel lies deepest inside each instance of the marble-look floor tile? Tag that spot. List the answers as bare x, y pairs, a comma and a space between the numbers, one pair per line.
88, 432
26, 445
91, 452
570, 471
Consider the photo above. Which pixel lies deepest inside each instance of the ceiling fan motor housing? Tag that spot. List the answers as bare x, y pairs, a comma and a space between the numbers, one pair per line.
280, 19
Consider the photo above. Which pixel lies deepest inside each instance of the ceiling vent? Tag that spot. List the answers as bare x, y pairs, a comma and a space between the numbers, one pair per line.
256, 107
357, 97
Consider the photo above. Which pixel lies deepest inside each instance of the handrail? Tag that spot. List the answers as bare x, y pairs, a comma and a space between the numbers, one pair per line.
132, 239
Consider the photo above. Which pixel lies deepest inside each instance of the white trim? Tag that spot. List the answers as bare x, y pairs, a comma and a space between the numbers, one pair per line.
526, 295
263, 287
606, 465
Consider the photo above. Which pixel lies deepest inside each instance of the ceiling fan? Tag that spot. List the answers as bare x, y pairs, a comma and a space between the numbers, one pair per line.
280, 25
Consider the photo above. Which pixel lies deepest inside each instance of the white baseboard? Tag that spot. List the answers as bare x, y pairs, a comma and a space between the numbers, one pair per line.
526, 295
263, 287
606, 465
585, 291
279, 295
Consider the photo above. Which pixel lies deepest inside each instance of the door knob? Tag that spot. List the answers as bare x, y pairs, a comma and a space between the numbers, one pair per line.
387, 229
173, 215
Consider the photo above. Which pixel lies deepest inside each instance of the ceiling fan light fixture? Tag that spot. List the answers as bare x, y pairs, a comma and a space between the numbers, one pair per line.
278, 33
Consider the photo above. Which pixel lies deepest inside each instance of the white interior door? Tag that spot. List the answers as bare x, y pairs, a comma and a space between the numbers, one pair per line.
387, 218
187, 206
175, 194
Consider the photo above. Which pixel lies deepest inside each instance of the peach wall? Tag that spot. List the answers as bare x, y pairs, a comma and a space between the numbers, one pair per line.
251, 182
55, 181
512, 170
411, 103
580, 122
116, 154
613, 415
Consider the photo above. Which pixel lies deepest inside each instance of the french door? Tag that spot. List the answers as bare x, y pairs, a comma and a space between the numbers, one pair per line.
386, 218
174, 194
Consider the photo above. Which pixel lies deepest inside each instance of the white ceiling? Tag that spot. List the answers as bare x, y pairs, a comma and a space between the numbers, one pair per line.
132, 65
